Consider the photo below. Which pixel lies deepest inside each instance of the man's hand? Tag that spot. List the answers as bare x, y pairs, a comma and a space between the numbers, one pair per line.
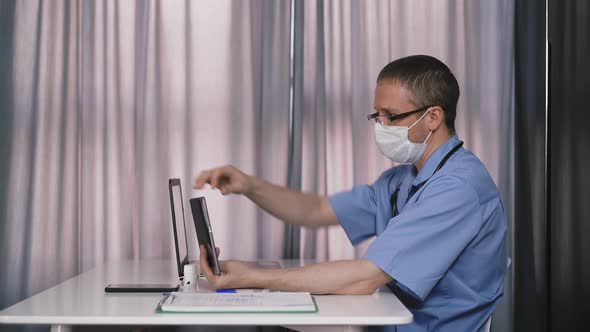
227, 179
234, 274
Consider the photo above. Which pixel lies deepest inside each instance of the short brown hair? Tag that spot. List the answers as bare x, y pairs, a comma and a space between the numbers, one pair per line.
429, 79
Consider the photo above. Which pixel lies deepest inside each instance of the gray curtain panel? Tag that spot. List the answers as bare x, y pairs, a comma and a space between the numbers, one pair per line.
530, 245
104, 101
569, 183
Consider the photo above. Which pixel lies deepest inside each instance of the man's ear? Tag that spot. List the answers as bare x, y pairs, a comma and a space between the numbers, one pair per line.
435, 118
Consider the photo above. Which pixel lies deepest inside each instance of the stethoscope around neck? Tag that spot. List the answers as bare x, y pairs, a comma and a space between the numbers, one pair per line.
393, 200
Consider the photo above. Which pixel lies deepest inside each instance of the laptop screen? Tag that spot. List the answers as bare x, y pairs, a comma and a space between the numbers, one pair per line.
178, 224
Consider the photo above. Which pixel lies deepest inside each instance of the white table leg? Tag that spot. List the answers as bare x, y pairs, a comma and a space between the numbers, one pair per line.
61, 328
327, 328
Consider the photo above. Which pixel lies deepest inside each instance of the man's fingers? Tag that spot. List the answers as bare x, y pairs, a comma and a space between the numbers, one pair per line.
217, 250
215, 175
204, 264
226, 188
203, 178
221, 179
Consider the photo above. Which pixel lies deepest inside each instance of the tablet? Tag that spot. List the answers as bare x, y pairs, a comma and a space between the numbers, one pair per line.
140, 288
204, 231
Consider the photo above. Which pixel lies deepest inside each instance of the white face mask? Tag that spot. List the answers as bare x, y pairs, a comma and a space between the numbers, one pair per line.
394, 143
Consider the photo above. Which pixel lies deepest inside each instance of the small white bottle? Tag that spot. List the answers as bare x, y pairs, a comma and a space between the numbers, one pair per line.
190, 275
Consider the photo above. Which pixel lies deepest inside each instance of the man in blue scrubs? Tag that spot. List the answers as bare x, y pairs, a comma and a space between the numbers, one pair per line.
438, 218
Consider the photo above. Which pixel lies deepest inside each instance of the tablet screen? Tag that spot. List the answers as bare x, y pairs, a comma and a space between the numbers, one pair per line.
204, 231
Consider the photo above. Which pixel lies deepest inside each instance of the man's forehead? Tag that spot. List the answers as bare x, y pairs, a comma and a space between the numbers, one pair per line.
390, 94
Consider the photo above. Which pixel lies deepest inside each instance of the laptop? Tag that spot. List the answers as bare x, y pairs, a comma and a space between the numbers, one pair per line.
179, 227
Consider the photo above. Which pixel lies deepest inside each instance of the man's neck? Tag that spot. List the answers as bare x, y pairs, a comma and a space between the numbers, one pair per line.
436, 140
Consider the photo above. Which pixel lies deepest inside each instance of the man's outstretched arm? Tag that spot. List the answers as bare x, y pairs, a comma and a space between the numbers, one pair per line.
291, 206
353, 277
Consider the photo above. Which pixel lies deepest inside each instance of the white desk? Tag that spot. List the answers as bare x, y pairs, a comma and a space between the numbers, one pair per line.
82, 301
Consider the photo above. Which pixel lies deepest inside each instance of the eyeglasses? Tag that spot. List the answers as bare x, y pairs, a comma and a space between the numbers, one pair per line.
388, 119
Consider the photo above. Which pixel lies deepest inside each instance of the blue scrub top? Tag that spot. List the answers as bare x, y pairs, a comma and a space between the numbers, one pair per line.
445, 250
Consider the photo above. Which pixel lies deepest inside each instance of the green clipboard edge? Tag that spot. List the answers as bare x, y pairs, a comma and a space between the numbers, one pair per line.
160, 311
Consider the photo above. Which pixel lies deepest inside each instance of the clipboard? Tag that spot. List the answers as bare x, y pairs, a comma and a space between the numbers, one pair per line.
272, 303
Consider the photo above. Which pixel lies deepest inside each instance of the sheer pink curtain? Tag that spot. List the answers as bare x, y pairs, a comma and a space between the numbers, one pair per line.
109, 99
112, 98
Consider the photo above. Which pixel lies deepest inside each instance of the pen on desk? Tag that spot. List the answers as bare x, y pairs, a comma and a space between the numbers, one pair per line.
243, 290
166, 296
161, 301
227, 290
